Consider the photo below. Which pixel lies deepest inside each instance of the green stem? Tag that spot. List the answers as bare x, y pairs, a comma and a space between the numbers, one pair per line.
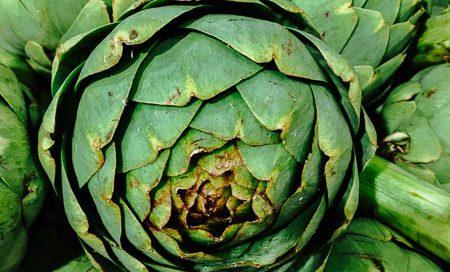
415, 208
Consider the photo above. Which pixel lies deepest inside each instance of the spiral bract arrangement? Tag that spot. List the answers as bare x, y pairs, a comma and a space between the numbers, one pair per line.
194, 137
372, 35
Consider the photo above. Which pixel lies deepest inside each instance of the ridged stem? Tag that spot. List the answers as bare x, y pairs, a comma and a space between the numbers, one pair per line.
415, 208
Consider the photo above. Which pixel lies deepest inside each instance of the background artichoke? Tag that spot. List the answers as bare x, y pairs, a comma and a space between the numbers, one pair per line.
371, 34
30, 30
368, 245
195, 136
433, 44
416, 117
21, 187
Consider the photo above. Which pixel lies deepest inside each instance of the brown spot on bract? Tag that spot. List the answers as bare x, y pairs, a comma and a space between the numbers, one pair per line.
287, 47
106, 198
162, 199
134, 182
133, 35
173, 97
322, 35
430, 93
446, 58
97, 144
327, 14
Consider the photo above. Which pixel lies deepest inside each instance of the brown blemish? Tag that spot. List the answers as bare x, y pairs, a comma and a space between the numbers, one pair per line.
134, 183
414, 194
106, 198
97, 144
293, 98
198, 140
287, 47
133, 35
173, 97
430, 93
162, 200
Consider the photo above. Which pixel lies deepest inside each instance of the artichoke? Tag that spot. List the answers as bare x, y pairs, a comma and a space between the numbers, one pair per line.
416, 117
433, 45
21, 185
368, 245
30, 30
371, 34
202, 137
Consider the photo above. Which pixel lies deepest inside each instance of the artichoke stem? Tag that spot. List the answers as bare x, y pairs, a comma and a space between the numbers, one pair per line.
415, 208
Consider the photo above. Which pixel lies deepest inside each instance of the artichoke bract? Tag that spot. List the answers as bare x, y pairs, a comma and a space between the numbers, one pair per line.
80, 264
21, 184
433, 45
205, 136
31, 30
368, 245
416, 116
372, 35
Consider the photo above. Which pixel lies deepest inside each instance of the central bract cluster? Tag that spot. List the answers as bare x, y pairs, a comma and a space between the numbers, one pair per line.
195, 137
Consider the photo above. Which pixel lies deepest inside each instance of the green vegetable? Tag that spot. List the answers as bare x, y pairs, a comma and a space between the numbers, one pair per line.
30, 30
371, 34
416, 117
368, 245
21, 187
433, 45
415, 208
194, 136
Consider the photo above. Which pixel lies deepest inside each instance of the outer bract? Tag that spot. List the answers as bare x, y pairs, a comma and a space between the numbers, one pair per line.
416, 116
80, 264
30, 30
368, 245
21, 187
205, 137
433, 45
371, 34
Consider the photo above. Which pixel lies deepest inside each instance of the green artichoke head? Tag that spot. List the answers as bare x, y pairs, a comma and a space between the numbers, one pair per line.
372, 35
21, 186
416, 116
200, 136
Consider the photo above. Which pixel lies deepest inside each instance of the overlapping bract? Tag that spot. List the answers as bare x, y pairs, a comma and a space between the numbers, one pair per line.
416, 117
433, 44
21, 186
30, 30
205, 137
368, 245
371, 34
